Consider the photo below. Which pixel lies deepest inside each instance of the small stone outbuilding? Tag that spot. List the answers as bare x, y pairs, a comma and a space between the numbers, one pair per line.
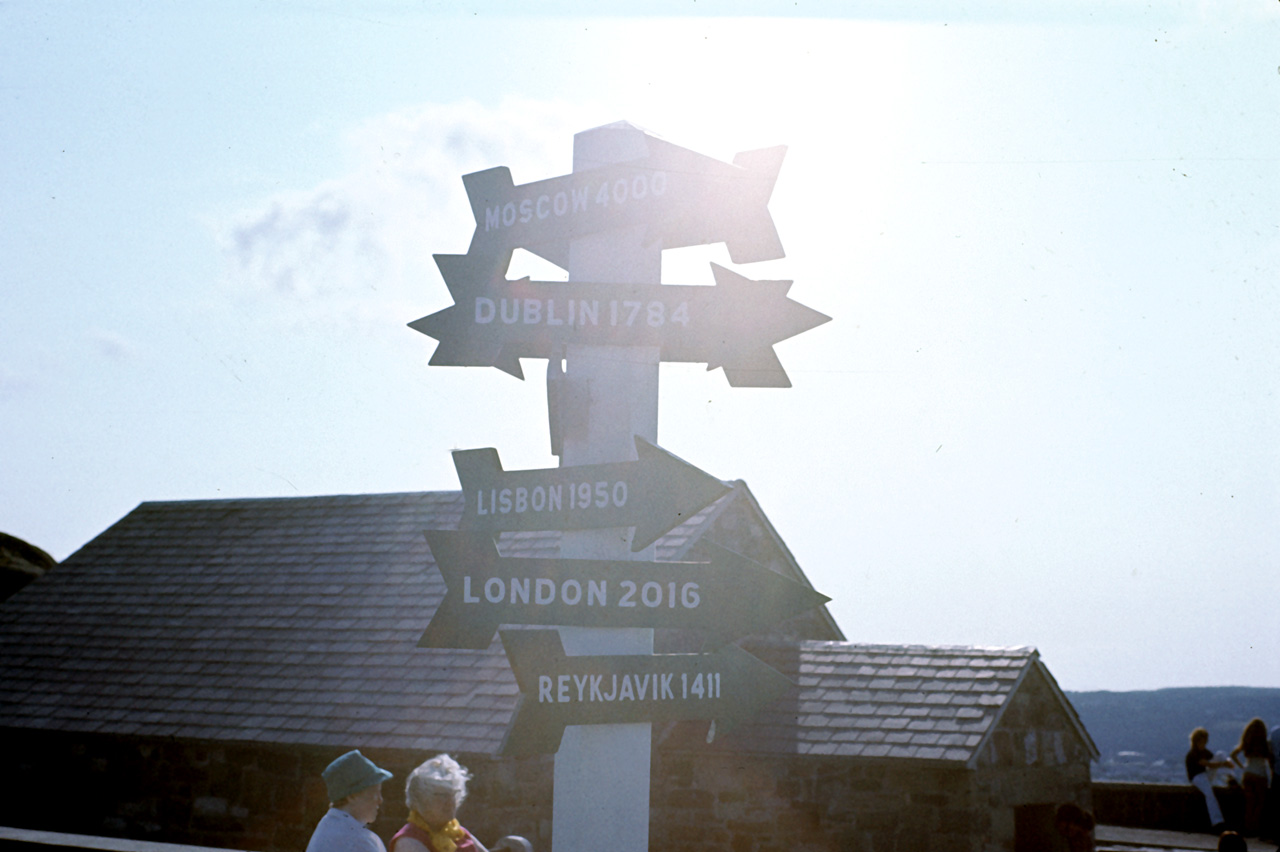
187, 674
886, 747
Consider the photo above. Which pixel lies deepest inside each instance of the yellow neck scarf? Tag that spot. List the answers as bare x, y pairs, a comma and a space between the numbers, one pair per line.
444, 839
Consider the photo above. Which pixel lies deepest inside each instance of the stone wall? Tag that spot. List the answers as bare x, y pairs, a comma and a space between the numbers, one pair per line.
1177, 807
233, 796
737, 803
269, 798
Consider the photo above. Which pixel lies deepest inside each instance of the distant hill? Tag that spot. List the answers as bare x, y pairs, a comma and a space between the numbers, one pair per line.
1143, 735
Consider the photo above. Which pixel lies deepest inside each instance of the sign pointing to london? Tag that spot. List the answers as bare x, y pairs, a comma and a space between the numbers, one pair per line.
731, 596
728, 686
654, 493
495, 322
684, 198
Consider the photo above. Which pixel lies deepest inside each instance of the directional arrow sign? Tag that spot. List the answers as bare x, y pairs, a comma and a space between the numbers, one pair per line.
495, 322
728, 685
653, 494
684, 198
731, 596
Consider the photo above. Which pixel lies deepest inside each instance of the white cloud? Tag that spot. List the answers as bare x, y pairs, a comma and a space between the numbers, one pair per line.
112, 346
356, 250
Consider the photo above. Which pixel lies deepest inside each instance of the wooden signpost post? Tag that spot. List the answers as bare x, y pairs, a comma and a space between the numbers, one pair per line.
591, 689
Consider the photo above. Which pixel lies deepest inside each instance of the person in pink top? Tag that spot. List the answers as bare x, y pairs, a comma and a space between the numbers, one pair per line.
433, 792
1257, 773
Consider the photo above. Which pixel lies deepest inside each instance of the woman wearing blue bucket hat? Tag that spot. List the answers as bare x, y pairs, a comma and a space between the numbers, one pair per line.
354, 785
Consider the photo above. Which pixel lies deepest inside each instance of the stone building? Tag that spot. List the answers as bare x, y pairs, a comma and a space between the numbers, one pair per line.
187, 674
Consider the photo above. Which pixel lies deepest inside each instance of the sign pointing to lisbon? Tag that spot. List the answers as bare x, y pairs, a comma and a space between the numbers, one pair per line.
728, 686
654, 493
495, 322
684, 198
729, 597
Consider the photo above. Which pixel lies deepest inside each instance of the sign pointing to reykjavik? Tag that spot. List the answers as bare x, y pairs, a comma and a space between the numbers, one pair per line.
731, 596
654, 493
495, 322
685, 198
728, 686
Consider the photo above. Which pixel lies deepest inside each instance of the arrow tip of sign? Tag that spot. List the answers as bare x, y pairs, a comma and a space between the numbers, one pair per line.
509, 364
766, 161
426, 325
756, 241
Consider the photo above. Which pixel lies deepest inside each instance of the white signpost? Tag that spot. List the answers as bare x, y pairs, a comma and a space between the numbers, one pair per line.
602, 400
601, 793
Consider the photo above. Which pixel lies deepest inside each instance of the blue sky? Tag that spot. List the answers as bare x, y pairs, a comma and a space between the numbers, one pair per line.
1045, 409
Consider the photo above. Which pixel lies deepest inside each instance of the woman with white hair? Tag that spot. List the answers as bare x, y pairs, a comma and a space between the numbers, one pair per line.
433, 792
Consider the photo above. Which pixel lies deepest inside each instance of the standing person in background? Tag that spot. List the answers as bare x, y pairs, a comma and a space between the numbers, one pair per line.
1271, 819
1199, 761
1257, 770
433, 792
354, 785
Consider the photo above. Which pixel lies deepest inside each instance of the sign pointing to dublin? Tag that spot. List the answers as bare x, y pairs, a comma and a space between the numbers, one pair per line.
683, 197
495, 322
728, 686
729, 597
654, 493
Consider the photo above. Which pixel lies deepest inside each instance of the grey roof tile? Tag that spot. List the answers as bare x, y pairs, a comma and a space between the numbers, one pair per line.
888, 703
296, 621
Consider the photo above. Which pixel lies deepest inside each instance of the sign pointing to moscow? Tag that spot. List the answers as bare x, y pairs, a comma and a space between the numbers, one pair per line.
729, 597
683, 197
654, 493
495, 322
728, 686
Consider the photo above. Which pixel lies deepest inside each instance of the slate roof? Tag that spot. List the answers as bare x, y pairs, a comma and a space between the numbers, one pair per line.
901, 702
295, 621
